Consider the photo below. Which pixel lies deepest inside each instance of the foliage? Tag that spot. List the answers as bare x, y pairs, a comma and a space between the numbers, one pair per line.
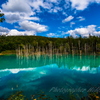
2, 19
51, 45
17, 96
41, 96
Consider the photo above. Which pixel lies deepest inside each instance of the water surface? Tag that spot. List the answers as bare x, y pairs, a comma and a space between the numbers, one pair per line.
54, 75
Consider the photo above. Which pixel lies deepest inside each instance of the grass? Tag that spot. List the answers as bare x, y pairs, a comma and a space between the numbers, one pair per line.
8, 52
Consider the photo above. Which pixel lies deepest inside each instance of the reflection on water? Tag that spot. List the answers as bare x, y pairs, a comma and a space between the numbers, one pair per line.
66, 61
48, 73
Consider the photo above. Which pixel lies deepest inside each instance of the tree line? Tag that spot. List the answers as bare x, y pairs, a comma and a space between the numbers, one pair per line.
38, 44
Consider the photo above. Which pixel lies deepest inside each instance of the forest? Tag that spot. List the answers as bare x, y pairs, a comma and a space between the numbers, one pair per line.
28, 45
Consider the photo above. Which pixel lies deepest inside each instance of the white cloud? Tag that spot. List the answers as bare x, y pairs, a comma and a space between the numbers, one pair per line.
84, 32
64, 13
16, 17
52, 35
97, 33
54, 1
80, 5
16, 10
69, 18
15, 32
97, 1
31, 18
55, 9
17, 6
67, 4
30, 6
29, 26
36, 4
81, 18
72, 23
3, 30
12, 18
83, 4
51, 6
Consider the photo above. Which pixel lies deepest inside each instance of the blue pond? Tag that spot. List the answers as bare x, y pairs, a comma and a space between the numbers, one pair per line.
54, 75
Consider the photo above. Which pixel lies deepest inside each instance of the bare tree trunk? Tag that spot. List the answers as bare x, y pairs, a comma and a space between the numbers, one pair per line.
85, 49
72, 50
80, 51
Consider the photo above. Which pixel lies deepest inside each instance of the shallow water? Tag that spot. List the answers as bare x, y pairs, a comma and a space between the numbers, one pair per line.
54, 75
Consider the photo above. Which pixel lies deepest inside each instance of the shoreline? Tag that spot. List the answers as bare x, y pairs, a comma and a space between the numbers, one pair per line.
7, 54
12, 53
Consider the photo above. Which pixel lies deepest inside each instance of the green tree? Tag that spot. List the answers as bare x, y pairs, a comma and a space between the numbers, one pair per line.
2, 19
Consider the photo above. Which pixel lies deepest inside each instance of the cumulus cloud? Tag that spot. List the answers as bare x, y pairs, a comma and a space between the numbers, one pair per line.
80, 5
16, 10
31, 6
15, 32
17, 6
12, 18
51, 6
97, 33
81, 18
84, 32
3, 30
52, 35
16, 17
83, 4
36, 4
69, 18
29, 26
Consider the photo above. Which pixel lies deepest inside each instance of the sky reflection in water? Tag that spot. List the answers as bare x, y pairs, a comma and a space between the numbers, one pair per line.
47, 73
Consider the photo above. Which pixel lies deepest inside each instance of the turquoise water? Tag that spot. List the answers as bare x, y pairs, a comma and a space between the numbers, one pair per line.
54, 75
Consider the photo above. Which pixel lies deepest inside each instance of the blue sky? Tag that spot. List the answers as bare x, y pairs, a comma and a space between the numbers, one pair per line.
51, 18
